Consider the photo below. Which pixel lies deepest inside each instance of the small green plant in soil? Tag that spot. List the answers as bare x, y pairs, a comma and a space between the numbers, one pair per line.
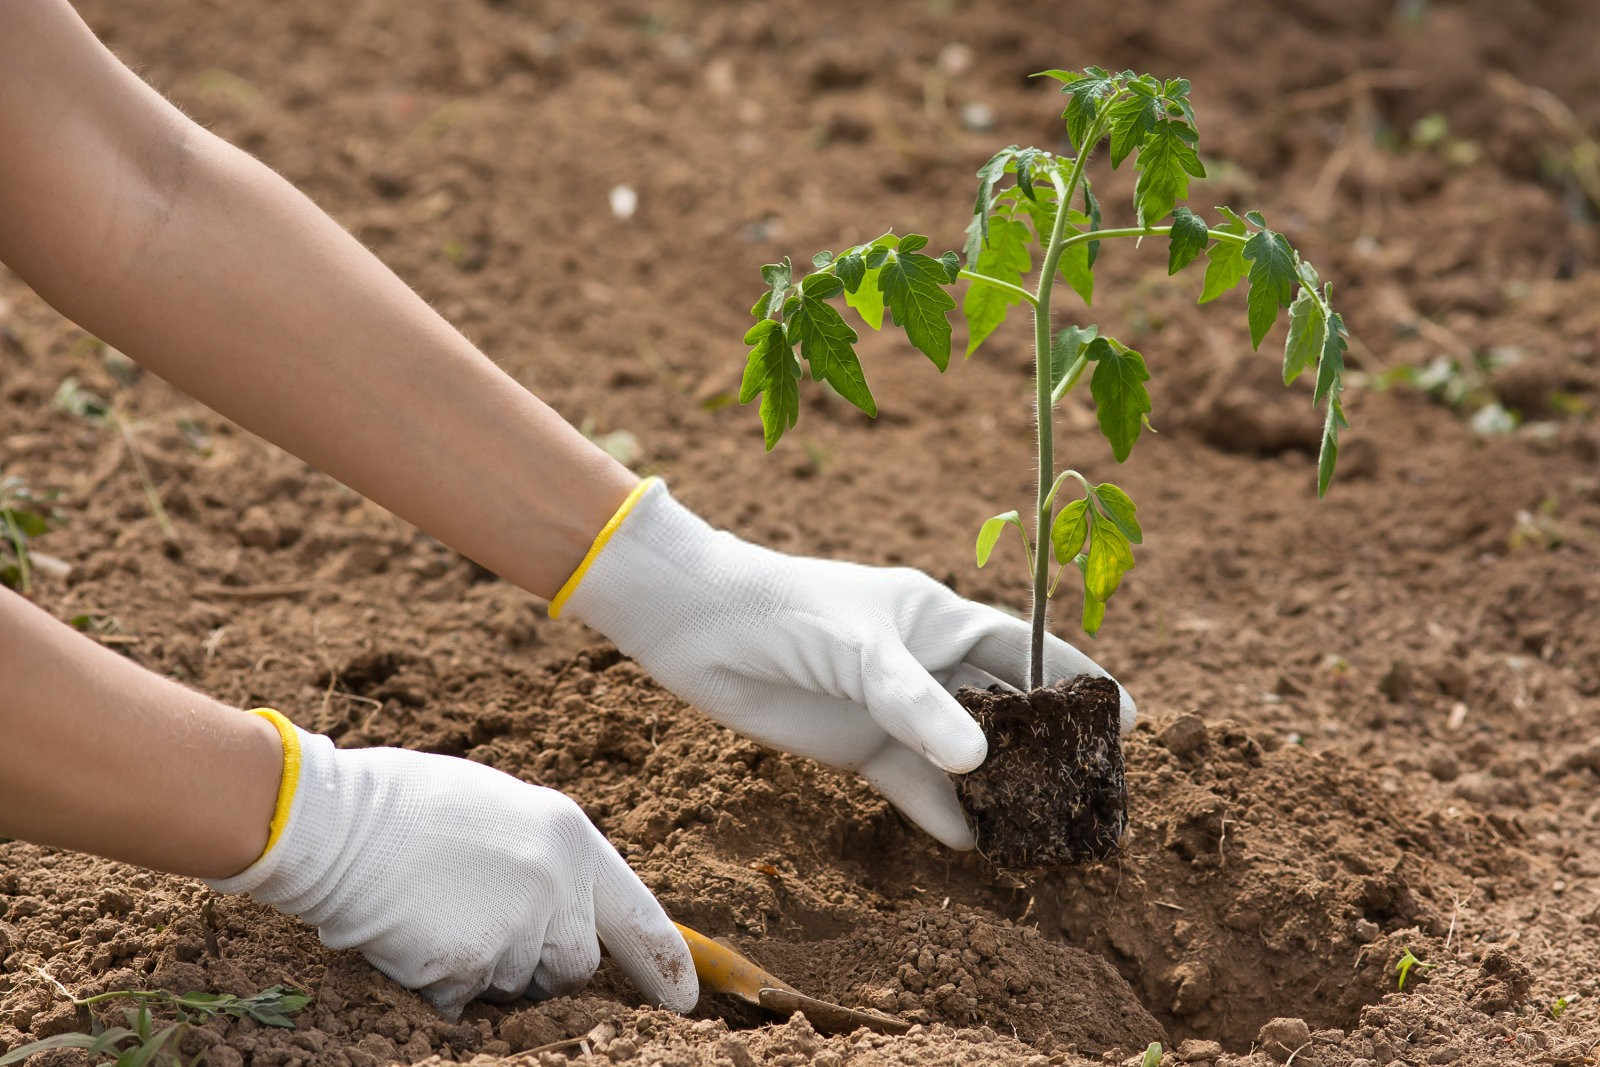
1405, 966
24, 515
1038, 220
141, 1043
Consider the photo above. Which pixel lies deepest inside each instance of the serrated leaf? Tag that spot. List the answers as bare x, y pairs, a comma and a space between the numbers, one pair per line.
1166, 162
978, 229
866, 297
913, 290
777, 276
1119, 507
1064, 352
1120, 398
1131, 117
1005, 258
772, 372
1225, 264
827, 343
1085, 92
989, 533
1024, 161
1092, 207
1272, 280
1308, 330
1110, 557
1188, 239
1069, 530
1330, 385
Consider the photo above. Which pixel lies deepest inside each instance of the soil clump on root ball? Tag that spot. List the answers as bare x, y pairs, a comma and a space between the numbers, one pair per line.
1053, 789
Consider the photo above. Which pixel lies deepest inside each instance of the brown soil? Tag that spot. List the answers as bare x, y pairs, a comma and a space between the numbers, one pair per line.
1052, 790
1368, 723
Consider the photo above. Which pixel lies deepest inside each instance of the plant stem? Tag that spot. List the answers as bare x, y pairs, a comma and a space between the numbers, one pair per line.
1044, 411
984, 279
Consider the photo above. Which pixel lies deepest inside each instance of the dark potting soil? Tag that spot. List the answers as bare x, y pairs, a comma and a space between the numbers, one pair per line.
1053, 790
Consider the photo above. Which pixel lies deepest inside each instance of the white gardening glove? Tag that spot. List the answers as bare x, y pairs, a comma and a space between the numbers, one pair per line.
850, 665
455, 879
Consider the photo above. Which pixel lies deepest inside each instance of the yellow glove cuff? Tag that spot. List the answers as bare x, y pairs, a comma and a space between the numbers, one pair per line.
290, 781
559, 601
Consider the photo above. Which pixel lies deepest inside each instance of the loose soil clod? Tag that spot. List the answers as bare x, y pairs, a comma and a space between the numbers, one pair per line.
1053, 790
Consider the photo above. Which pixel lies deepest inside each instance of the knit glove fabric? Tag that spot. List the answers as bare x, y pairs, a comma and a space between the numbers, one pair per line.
850, 665
455, 879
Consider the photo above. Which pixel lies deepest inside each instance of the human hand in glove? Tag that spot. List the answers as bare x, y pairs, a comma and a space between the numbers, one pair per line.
455, 879
850, 665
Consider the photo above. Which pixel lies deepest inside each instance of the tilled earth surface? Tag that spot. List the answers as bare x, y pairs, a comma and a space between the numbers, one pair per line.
1369, 723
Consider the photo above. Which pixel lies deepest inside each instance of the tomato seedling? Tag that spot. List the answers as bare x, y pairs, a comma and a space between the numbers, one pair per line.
1049, 215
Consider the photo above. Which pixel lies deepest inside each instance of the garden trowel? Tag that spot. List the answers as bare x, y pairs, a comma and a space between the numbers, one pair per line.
722, 970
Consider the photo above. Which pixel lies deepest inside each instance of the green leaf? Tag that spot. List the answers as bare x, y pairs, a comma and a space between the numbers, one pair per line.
850, 270
1064, 353
913, 289
952, 266
1005, 258
989, 533
988, 174
777, 276
1110, 557
30, 523
772, 372
1188, 239
1073, 266
821, 286
866, 297
1330, 385
1272, 280
1119, 507
1167, 160
827, 342
822, 259
1308, 331
1094, 613
913, 242
1132, 117
1069, 530
1092, 206
1224, 260
1086, 91
1121, 400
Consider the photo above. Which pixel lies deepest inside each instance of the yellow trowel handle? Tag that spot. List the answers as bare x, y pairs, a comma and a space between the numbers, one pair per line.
722, 970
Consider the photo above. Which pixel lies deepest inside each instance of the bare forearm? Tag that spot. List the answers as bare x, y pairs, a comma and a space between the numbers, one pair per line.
202, 264
103, 756
252, 300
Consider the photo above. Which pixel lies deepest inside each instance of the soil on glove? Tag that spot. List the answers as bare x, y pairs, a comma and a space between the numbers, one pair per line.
1367, 723
1052, 790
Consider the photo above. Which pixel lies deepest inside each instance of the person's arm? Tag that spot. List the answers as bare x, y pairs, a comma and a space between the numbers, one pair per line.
450, 877
102, 756
205, 266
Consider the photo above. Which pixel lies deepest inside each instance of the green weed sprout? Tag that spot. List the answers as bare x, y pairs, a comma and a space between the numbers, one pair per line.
1152, 1055
140, 1044
24, 515
1050, 211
